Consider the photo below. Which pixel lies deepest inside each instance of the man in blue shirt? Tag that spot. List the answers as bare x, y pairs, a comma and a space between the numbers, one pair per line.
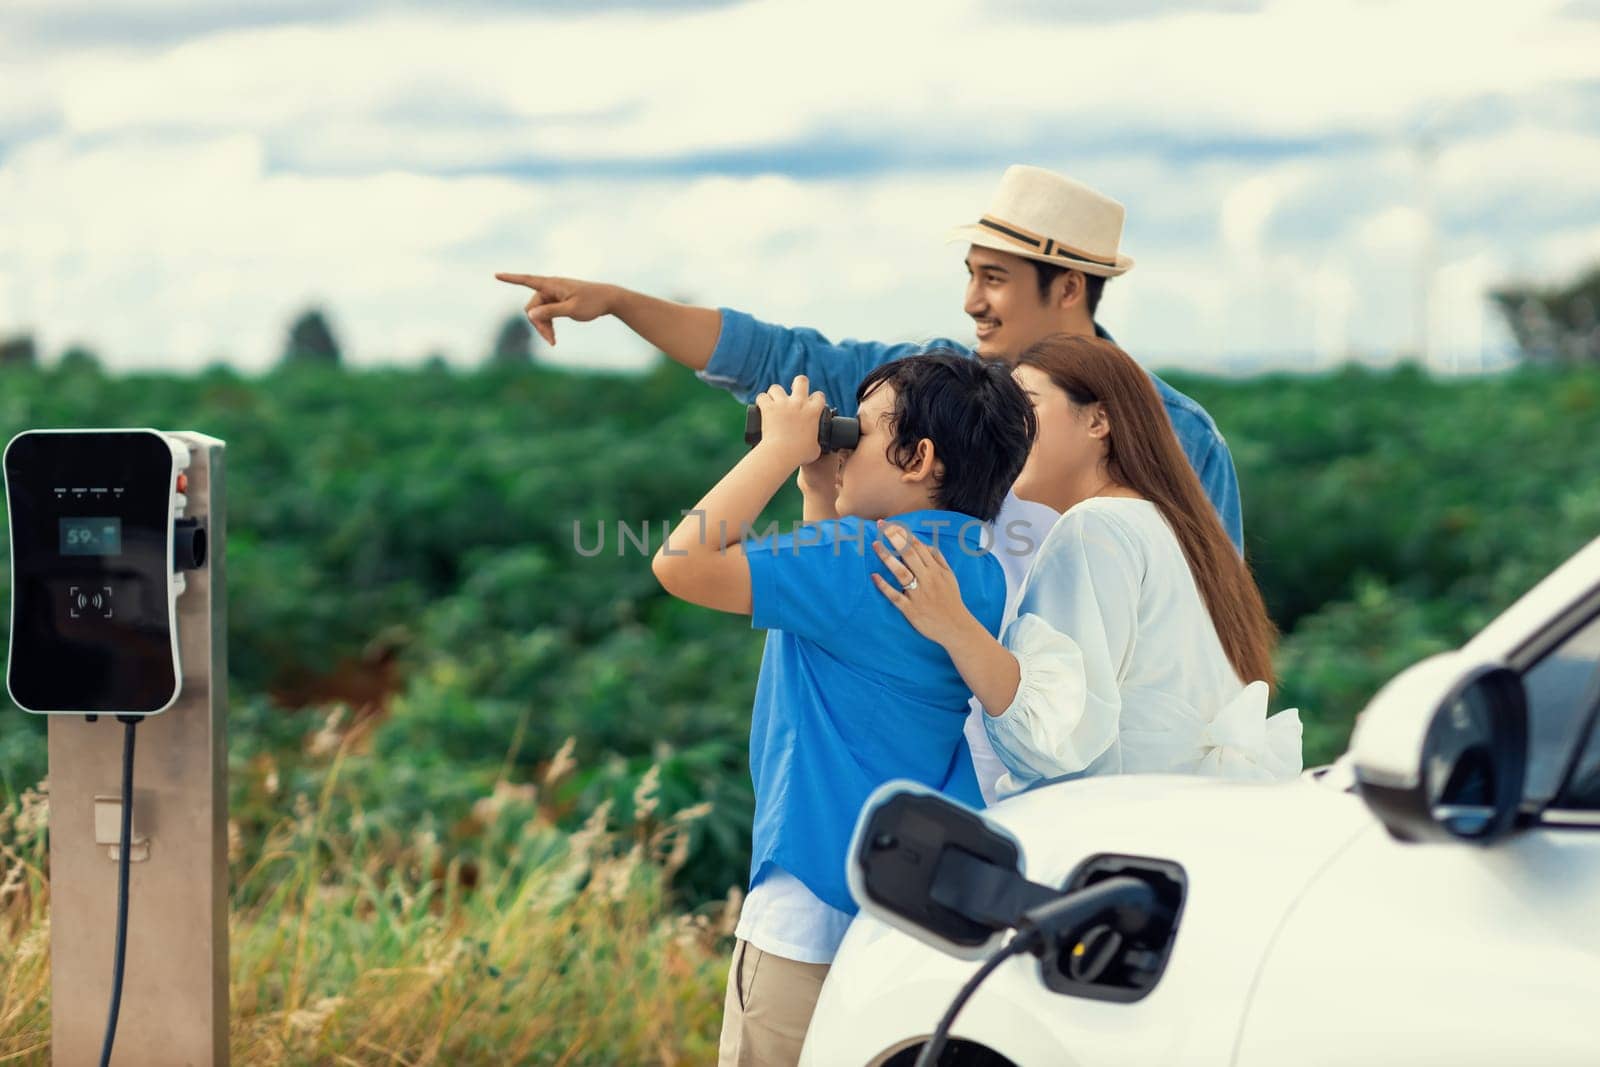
849, 694
1037, 262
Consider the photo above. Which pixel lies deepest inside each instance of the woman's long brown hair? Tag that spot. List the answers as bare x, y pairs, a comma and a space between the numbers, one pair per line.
1144, 455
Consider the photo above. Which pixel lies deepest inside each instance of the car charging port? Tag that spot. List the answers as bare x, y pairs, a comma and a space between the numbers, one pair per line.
1122, 957
944, 874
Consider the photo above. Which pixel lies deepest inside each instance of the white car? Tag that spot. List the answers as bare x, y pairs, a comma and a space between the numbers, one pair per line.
1433, 897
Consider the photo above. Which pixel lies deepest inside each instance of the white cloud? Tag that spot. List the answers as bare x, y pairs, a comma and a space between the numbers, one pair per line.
1249, 205
1555, 256
646, 83
1459, 324
171, 202
1396, 232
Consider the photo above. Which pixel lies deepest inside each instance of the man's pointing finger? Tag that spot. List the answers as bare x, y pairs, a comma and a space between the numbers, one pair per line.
532, 281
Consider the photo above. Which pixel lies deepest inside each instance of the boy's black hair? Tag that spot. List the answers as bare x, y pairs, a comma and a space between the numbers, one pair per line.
1049, 272
978, 418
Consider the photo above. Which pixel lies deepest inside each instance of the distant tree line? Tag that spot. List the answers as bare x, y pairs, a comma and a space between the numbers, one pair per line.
311, 341
1556, 324
20, 350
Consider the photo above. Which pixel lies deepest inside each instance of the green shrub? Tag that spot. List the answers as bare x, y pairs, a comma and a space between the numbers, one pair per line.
425, 520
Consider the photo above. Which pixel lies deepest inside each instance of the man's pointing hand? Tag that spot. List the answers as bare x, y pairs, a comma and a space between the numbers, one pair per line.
561, 298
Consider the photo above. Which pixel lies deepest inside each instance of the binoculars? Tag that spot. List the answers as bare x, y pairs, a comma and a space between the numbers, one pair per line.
834, 431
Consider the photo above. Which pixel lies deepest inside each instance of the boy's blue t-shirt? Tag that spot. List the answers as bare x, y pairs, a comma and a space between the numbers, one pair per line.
850, 695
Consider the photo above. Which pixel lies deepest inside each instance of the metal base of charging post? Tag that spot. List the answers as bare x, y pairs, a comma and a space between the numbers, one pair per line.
175, 989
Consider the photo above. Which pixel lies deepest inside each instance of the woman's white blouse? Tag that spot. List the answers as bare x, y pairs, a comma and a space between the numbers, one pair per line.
1122, 671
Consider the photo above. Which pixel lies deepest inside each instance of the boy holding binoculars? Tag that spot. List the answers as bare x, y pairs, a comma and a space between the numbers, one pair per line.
849, 694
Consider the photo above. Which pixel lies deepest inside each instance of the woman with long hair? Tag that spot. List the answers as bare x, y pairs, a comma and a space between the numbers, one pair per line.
1141, 643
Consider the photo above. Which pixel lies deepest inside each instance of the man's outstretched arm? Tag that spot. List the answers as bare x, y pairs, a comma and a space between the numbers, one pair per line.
726, 348
751, 356
685, 333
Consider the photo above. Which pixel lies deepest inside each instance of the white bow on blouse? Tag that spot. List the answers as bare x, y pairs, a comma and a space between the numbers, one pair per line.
1243, 742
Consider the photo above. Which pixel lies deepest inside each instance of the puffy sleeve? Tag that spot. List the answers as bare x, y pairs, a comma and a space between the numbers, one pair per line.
1076, 625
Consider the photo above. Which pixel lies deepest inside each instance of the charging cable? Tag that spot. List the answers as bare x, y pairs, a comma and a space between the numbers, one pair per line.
1015, 947
129, 722
1043, 930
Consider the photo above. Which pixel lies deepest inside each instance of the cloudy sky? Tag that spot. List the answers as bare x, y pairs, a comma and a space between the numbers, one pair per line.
177, 179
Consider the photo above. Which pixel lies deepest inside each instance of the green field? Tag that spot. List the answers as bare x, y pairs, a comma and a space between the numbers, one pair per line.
414, 638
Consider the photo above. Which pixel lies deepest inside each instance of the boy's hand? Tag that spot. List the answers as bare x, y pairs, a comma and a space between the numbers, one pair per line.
561, 298
790, 421
821, 475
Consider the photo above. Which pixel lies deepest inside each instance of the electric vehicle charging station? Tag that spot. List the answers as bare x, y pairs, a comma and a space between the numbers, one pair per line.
118, 611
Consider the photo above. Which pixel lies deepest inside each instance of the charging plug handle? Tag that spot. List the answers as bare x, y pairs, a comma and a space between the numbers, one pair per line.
1126, 904
983, 891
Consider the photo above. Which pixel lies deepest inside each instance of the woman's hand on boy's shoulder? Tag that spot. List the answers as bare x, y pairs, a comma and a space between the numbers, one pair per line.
928, 594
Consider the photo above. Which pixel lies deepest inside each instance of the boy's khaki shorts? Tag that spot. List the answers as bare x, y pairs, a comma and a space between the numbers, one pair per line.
767, 1009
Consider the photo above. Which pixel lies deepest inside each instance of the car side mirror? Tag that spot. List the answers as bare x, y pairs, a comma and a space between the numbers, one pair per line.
1441, 752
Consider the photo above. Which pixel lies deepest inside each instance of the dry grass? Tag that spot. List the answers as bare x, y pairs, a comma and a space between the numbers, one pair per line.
366, 945
24, 932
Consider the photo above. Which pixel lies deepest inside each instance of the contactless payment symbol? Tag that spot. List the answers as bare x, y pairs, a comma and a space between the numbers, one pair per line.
82, 601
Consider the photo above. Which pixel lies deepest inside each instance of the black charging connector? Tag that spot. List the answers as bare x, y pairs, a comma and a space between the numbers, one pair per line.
1125, 904
1121, 962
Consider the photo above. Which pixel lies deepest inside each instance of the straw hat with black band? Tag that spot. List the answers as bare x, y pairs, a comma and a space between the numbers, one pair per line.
1040, 215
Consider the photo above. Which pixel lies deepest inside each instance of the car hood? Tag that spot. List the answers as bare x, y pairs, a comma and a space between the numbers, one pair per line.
1208, 825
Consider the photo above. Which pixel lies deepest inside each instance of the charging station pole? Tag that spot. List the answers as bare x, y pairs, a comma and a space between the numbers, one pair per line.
175, 993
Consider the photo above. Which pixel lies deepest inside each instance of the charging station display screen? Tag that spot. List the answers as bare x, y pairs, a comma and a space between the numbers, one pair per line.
91, 616
99, 535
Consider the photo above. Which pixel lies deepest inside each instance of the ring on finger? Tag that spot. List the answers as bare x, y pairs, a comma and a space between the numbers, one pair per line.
912, 584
